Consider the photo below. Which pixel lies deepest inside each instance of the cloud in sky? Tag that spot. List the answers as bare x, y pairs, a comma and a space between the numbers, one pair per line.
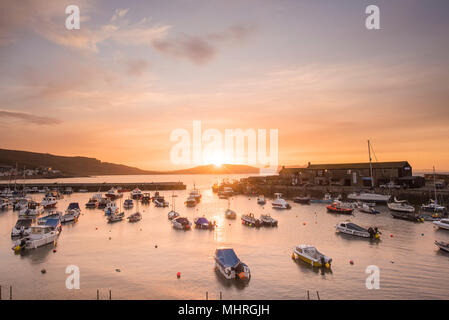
29, 118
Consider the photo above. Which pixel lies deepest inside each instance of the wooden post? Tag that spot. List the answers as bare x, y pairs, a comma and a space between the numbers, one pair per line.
10, 292
98, 294
318, 295
110, 294
207, 295
221, 296
0, 292
308, 296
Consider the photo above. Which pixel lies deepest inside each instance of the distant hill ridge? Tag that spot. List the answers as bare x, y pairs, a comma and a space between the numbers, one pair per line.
82, 166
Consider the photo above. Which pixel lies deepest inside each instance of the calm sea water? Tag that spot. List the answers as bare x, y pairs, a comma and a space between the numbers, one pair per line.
411, 266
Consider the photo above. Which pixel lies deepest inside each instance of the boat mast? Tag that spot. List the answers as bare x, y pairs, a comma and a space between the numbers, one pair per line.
435, 185
370, 165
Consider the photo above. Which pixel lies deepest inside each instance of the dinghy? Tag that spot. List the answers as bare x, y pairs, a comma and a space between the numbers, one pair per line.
338, 208
442, 224
137, 216
22, 228
116, 217
203, 223
261, 200
128, 204
302, 200
181, 223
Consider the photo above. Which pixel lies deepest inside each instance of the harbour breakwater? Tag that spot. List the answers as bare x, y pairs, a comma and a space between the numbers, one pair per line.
104, 186
416, 196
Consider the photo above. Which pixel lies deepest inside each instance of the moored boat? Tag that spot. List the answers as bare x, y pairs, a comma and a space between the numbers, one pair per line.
128, 204
442, 224
336, 207
181, 223
190, 202
136, 216
229, 265
250, 220
364, 207
268, 220
302, 200
409, 216
116, 217
400, 206
49, 202
261, 200
279, 202
22, 227
355, 230
326, 199
310, 255
136, 194
39, 236
203, 223
161, 203
442, 245
111, 208
72, 213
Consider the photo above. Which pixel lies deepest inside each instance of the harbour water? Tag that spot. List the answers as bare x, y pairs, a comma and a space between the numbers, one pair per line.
123, 257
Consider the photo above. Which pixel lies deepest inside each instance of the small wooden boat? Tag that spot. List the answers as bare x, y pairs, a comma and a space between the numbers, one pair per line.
267, 220
250, 220
302, 200
137, 216
310, 255
261, 200
337, 208
442, 245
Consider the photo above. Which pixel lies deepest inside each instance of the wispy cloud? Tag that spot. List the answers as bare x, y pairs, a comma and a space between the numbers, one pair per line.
30, 118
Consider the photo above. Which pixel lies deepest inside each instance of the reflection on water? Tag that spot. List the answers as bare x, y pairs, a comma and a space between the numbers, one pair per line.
149, 254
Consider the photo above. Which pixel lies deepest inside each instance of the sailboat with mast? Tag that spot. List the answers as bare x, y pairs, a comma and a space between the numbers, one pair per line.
173, 214
433, 205
369, 196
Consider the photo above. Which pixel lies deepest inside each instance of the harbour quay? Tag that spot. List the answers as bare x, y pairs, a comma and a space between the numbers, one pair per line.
103, 186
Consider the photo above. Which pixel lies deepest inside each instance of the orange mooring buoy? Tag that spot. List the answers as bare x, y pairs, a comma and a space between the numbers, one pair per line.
178, 275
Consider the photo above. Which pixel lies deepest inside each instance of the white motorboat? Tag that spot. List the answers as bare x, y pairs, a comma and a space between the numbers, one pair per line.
442, 224
280, 203
4, 204
261, 200
311, 255
268, 220
442, 245
113, 194
22, 227
229, 265
72, 213
355, 230
128, 204
181, 223
136, 194
39, 236
49, 202
400, 206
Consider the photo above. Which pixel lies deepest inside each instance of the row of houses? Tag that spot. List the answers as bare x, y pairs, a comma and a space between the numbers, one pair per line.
6, 171
397, 173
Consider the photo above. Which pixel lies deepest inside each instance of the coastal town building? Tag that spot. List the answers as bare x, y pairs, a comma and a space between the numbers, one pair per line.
351, 174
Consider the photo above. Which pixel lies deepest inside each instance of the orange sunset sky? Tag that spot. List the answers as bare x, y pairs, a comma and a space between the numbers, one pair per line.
136, 70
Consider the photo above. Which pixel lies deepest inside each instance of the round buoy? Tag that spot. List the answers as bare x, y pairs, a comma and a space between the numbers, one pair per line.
96, 228
155, 246
54, 250
304, 223
110, 238
377, 236
43, 271
327, 265
293, 256
422, 234
117, 270
391, 235
351, 262
178, 275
